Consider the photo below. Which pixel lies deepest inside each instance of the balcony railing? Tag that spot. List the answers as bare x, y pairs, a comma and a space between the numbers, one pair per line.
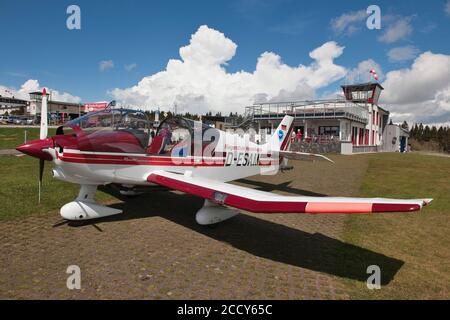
319, 109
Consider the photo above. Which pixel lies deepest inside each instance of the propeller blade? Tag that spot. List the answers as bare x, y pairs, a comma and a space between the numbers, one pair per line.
41, 169
44, 122
41, 175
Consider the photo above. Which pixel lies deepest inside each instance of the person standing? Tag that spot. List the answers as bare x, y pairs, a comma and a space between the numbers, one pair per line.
299, 135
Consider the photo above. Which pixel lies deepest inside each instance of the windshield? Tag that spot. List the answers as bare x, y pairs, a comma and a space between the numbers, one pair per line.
114, 119
113, 130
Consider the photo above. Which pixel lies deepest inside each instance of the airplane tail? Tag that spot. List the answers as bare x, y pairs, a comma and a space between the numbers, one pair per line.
281, 138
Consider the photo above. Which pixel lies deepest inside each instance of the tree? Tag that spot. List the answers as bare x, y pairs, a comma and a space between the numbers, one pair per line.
413, 131
427, 133
405, 125
433, 134
420, 132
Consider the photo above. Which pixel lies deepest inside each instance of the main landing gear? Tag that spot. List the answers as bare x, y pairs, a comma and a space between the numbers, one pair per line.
84, 206
212, 213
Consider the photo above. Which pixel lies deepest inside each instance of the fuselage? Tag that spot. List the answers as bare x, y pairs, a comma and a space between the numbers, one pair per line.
118, 146
86, 167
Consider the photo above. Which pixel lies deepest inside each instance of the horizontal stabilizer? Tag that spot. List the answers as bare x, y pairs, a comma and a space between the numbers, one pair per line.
293, 155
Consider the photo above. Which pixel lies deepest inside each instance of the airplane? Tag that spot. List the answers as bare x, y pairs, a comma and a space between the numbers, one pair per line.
116, 146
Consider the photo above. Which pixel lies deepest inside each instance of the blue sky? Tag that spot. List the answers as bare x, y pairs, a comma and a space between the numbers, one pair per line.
37, 45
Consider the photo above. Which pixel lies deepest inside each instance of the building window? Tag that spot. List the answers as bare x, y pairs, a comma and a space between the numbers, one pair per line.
329, 131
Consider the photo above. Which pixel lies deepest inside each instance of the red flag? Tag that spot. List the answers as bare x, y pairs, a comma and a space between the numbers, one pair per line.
374, 74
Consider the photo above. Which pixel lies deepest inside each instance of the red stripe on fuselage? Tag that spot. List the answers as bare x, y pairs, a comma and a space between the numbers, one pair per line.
141, 160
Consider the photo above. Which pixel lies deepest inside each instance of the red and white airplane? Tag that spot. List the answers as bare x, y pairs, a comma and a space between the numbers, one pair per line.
114, 146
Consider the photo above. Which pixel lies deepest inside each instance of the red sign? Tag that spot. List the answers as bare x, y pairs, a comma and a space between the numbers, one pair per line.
96, 106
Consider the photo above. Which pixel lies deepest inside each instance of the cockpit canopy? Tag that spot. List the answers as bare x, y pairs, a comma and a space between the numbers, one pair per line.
114, 119
128, 131
175, 137
112, 130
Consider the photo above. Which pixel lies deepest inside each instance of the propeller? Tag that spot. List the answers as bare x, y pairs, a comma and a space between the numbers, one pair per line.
41, 174
42, 135
39, 148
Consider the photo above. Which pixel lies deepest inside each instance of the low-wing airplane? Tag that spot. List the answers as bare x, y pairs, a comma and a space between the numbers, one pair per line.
115, 146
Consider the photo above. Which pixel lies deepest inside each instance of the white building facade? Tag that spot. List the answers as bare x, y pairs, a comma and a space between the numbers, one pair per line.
355, 119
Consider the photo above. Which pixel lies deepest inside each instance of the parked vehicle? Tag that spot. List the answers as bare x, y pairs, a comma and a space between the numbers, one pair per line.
12, 119
23, 120
28, 121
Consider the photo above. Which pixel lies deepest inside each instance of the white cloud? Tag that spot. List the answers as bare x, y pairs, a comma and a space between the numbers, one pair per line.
362, 72
447, 7
199, 82
349, 23
398, 28
402, 54
130, 66
32, 85
420, 93
105, 65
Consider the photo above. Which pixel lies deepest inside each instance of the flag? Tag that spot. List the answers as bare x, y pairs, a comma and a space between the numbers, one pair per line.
374, 74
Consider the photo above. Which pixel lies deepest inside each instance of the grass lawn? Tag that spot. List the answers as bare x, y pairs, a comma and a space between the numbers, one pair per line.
19, 178
421, 240
10, 138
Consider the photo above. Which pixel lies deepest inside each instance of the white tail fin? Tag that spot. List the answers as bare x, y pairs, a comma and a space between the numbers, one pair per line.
281, 138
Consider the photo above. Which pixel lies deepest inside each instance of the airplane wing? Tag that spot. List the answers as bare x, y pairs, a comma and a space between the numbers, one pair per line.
294, 155
266, 202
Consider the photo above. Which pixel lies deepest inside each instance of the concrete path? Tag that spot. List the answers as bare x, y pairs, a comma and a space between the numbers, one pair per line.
9, 152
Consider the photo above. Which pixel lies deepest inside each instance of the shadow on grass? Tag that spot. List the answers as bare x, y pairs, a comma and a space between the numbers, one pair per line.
276, 242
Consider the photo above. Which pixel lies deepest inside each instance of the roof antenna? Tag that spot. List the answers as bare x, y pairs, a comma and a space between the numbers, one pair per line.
111, 104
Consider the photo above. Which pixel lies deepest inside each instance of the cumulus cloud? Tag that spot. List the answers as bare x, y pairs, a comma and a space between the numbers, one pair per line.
130, 66
362, 72
420, 93
398, 28
349, 22
447, 8
105, 65
32, 85
199, 81
402, 54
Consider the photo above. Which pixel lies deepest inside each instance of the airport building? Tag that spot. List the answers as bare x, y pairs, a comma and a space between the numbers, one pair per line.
395, 138
64, 110
220, 122
10, 105
355, 120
